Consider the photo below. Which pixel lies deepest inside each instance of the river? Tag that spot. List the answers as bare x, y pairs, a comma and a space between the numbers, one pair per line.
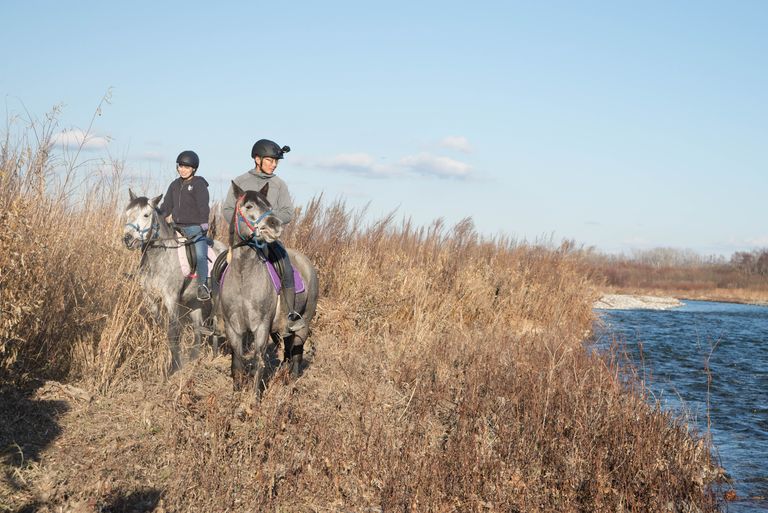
708, 361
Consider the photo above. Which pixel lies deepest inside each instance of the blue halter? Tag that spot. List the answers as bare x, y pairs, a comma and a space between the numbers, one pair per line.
251, 240
153, 228
141, 232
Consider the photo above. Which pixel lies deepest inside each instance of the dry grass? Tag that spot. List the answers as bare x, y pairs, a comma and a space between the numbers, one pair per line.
446, 373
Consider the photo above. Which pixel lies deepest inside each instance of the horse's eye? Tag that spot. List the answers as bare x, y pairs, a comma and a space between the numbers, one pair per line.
146, 215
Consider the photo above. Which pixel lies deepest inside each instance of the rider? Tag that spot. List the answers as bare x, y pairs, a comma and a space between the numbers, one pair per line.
266, 155
187, 201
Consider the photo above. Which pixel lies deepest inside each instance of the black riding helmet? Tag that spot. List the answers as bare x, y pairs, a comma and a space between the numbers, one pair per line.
266, 148
188, 158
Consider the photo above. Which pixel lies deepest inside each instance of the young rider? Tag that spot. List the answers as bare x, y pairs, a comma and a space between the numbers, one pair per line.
187, 201
266, 154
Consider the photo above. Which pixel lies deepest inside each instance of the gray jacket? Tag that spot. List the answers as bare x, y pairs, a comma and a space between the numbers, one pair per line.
278, 196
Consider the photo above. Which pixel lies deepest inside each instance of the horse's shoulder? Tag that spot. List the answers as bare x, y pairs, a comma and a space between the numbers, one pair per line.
296, 254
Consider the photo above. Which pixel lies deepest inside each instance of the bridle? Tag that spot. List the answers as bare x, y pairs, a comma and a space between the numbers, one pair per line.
148, 234
141, 232
151, 235
249, 239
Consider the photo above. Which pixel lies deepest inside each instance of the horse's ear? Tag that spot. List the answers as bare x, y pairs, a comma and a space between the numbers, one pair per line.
264, 190
156, 200
131, 195
237, 190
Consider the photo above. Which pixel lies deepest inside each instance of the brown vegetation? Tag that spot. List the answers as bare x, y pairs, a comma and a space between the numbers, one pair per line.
446, 373
685, 275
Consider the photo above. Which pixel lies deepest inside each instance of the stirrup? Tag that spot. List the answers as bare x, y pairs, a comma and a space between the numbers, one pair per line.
203, 294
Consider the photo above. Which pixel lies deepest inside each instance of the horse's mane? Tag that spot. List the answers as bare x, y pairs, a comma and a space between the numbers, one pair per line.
257, 197
141, 201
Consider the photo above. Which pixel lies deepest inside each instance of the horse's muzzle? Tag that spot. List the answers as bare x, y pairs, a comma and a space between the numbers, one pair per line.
129, 241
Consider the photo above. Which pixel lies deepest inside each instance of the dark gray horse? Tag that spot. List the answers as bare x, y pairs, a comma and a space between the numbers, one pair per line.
248, 302
160, 273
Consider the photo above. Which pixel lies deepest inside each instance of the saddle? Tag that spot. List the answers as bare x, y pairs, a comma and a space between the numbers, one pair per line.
220, 266
188, 258
188, 262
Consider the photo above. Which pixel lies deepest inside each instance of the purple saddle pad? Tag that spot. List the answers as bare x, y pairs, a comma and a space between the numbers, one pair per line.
297, 279
298, 282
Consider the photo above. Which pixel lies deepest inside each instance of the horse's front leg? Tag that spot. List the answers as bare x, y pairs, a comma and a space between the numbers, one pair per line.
260, 341
152, 304
197, 324
174, 333
238, 368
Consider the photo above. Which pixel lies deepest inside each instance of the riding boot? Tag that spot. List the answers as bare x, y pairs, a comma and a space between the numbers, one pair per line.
295, 320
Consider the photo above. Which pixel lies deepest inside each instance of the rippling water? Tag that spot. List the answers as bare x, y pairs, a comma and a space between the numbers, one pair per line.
674, 348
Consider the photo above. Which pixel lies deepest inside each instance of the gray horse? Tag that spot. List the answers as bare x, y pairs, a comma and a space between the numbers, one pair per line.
248, 303
160, 273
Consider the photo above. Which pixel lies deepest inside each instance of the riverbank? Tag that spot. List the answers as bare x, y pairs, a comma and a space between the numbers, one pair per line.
721, 295
635, 302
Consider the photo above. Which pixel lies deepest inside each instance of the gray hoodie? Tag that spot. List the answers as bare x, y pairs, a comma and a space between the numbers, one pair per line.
278, 196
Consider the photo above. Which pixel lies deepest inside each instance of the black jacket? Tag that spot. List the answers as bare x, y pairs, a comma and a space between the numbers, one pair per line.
187, 201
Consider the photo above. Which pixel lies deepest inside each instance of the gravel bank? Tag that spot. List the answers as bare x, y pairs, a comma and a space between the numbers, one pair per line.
629, 302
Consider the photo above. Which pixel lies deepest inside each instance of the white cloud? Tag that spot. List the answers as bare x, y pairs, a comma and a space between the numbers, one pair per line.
458, 142
358, 163
74, 138
761, 242
432, 165
364, 164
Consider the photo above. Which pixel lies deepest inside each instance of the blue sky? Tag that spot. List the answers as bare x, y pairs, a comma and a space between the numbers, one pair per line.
621, 125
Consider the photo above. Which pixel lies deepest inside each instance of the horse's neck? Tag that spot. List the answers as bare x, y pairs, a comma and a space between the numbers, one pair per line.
164, 231
249, 258
155, 259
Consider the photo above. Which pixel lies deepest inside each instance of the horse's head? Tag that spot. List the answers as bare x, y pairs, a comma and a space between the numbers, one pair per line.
140, 222
253, 216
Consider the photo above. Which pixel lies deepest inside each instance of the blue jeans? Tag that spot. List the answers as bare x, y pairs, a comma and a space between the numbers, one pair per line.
197, 234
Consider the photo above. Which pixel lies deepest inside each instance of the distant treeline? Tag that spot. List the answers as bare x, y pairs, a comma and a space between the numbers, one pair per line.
751, 262
682, 270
